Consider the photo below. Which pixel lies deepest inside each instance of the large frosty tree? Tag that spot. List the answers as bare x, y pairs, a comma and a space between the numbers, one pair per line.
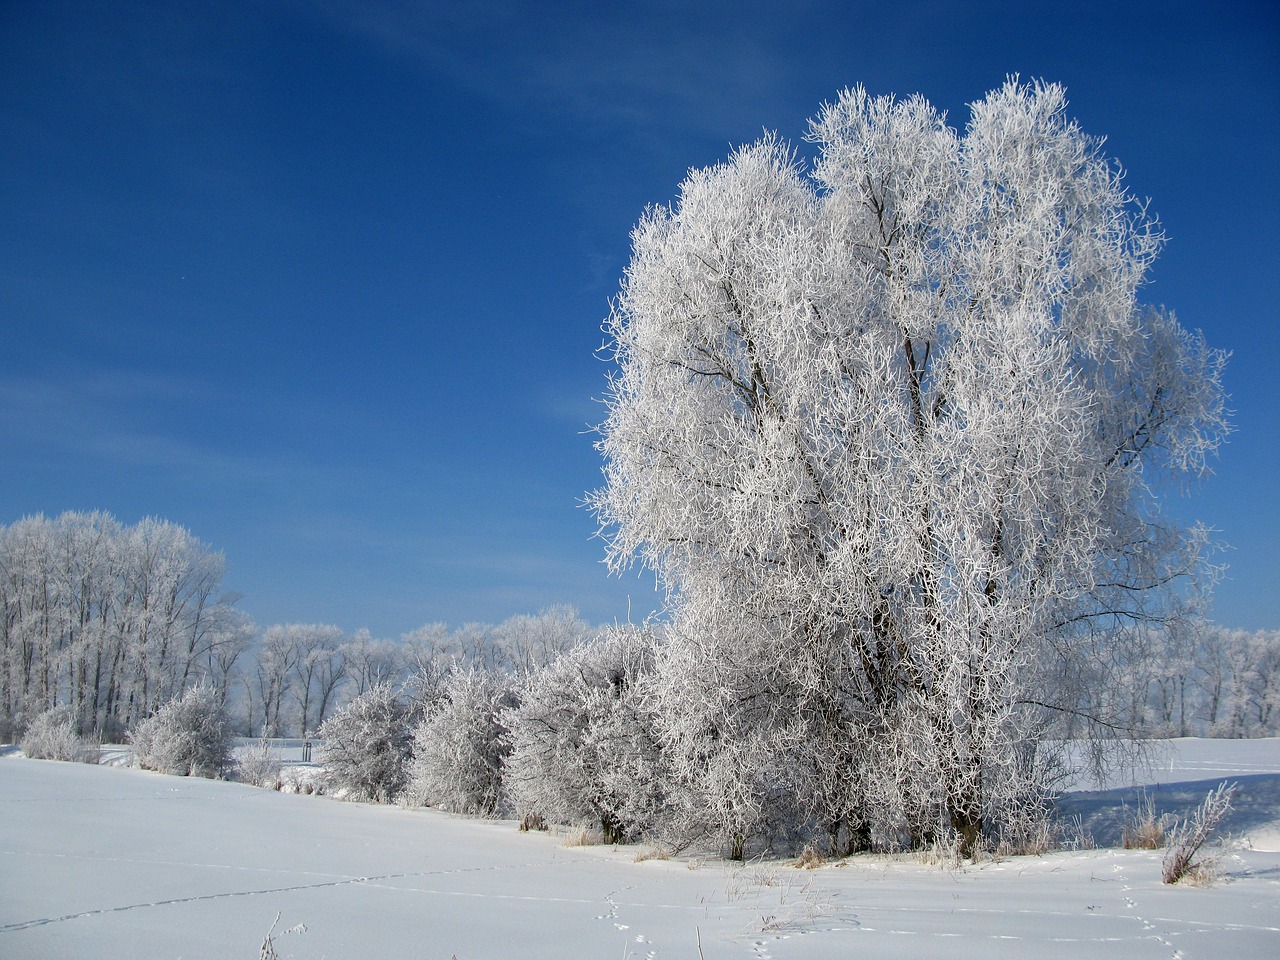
891, 434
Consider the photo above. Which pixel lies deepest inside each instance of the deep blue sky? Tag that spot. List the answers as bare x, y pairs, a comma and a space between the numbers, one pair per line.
323, 281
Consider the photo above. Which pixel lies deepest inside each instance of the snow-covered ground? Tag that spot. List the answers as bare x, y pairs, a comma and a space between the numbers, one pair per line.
111, 862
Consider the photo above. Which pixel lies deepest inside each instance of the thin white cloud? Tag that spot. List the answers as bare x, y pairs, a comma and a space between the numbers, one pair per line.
114, 418
606, 65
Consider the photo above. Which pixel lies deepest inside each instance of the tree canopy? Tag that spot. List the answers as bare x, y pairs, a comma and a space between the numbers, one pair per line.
891, 430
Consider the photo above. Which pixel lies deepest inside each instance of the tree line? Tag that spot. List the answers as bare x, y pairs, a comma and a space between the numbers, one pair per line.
108, 619
1204, 680
106, 626
113, 621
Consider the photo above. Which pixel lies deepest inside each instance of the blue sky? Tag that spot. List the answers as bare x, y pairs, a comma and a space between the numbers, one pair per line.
323, 281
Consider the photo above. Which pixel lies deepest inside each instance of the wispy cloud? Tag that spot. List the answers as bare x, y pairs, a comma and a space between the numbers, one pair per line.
128, 420
693, 67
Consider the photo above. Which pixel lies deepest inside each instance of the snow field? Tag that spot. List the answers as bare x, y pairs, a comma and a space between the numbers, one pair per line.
114, 862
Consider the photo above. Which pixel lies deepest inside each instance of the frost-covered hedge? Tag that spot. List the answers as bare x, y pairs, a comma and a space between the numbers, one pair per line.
367, 746
460, 747
583, 747
52, 736
188, 736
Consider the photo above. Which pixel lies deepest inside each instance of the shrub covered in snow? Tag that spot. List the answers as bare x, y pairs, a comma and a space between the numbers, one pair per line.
52, 736
259, 765
367, 745
583, 747
460, 747
188, 736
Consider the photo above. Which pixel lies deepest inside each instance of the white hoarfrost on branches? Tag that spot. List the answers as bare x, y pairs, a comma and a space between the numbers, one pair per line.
891, 434
583, 747
368, 745
188, 736
460, 746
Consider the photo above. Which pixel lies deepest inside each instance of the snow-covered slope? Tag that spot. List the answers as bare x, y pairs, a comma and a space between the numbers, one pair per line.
109, 862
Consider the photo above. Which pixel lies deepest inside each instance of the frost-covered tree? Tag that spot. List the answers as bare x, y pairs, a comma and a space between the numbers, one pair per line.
224, 662
583, 739
320, 670
368, 745
892, 434
530, 642
431, 654
271, 686
460, 745
371, 660
188, 736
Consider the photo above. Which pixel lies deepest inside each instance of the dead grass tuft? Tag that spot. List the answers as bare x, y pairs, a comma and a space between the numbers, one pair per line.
810, 858
1142, 829
582, 837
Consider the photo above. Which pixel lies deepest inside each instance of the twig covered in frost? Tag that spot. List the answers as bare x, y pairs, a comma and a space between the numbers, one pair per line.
268, 951
1189, 835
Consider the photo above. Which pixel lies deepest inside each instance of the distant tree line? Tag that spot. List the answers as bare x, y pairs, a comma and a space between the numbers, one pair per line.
112, 621
1203, 680
296, 675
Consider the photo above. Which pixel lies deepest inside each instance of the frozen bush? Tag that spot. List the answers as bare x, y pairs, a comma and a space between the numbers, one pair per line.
460, 747
583, 747
259, 765
52, 736
367, 745
188, 736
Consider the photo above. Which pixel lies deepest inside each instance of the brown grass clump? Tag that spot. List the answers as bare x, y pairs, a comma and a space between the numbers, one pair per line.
1142, 829
582, 837
532, 821
810, 858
